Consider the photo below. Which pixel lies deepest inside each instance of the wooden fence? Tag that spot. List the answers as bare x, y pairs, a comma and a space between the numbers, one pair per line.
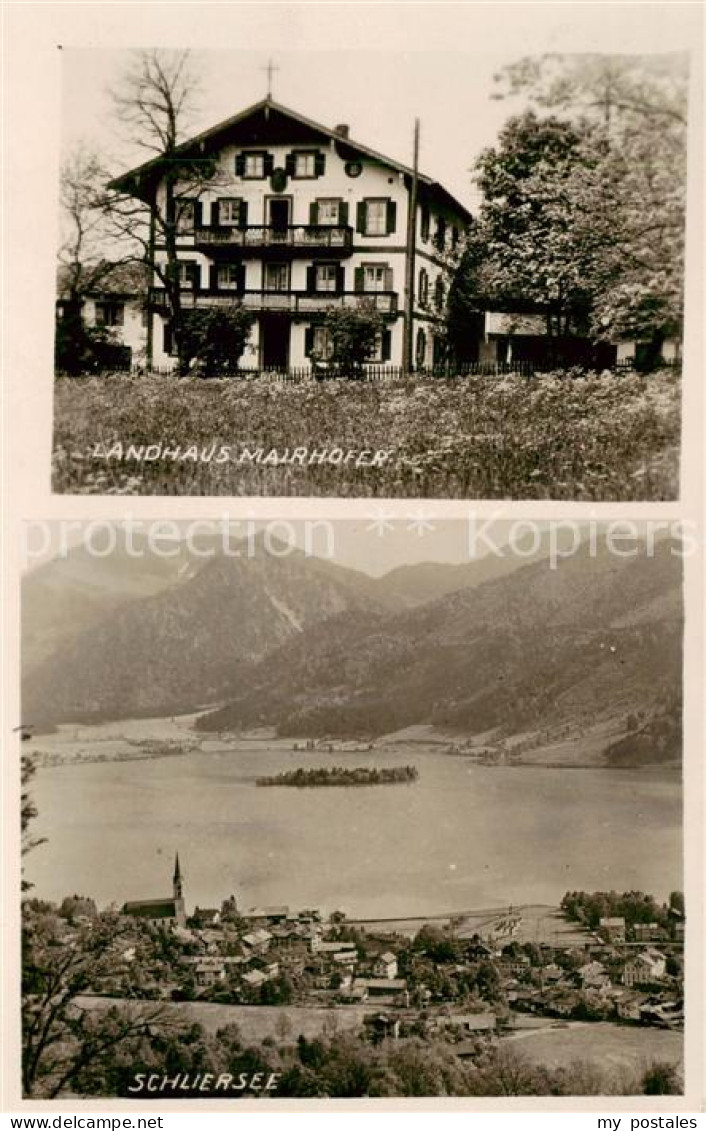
378, 374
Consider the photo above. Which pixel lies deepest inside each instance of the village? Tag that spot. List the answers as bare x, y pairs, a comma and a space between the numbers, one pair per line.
453, 978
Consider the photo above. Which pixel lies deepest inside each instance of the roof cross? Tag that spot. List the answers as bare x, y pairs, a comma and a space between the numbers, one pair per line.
270, 68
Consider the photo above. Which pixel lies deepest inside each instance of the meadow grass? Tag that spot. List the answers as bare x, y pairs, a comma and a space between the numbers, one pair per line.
593, 437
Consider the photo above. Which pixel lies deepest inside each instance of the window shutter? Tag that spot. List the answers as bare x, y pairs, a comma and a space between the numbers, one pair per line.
240, 165
241, 276
213, 276
120, 314
425, 222
314, 212
290, 164
243, 214
196, 276
340, 277
308, 340
320, 164
215, 214
268, 164
343, 213
388, 278
361, 219
198, 214
359, 279
386, 345
391, 216
311, 279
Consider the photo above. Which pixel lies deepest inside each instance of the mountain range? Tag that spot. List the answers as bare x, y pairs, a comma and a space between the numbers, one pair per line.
313, 648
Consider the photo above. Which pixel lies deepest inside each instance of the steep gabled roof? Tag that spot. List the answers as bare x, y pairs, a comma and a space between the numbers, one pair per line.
151, 908
208, 141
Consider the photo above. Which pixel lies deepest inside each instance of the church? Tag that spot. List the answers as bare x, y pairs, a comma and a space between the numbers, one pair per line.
168, 912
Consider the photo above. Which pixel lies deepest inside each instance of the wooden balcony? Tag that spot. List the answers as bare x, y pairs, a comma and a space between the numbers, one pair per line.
300, 303
263, 240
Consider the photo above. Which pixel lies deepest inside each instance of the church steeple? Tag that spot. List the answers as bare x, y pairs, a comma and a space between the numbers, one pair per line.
177, 884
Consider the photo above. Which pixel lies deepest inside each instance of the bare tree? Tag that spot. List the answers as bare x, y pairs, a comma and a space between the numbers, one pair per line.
154, 102
84, 230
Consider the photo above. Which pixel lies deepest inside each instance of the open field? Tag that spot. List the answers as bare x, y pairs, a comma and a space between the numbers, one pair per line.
256, 1022
611, 1046
553, 436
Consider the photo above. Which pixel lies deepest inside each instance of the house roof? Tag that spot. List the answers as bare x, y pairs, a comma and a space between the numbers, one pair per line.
388, 956
268, 110
256, 938
254, 977
390, 984
124, 280
475, 1021
151, 908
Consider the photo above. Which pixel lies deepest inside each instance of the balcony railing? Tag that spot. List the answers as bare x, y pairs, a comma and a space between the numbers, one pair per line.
286, 302
259, 238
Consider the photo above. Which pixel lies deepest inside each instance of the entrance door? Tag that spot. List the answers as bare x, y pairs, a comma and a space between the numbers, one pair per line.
278, 214
274, 339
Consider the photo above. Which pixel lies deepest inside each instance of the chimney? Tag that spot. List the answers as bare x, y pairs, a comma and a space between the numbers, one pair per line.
342, 129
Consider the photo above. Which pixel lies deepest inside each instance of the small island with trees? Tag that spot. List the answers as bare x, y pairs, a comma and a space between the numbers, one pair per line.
340, 775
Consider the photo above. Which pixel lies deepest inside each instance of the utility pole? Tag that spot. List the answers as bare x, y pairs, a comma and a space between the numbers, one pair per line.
408, 345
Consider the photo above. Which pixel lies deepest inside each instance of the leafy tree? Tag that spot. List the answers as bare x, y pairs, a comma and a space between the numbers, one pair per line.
354, 334
524, 251
628, 204
213, 339
676, 902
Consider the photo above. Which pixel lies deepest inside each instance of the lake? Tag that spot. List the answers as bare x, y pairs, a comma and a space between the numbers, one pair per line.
462, 836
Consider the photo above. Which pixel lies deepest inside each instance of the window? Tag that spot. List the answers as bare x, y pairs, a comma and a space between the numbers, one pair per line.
439, 293
326, 277
110, 313
186, 211
383, 343
425, 222
277, 277
255, 165
186, 272
230, 211
305, 164
228, 277
421, 351
328, 211
168, 343
376, 218
423, 288
374, 277
440, 235
322, 343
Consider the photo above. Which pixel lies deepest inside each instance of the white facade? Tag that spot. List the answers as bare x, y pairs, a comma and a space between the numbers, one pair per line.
123, 316
297, 218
